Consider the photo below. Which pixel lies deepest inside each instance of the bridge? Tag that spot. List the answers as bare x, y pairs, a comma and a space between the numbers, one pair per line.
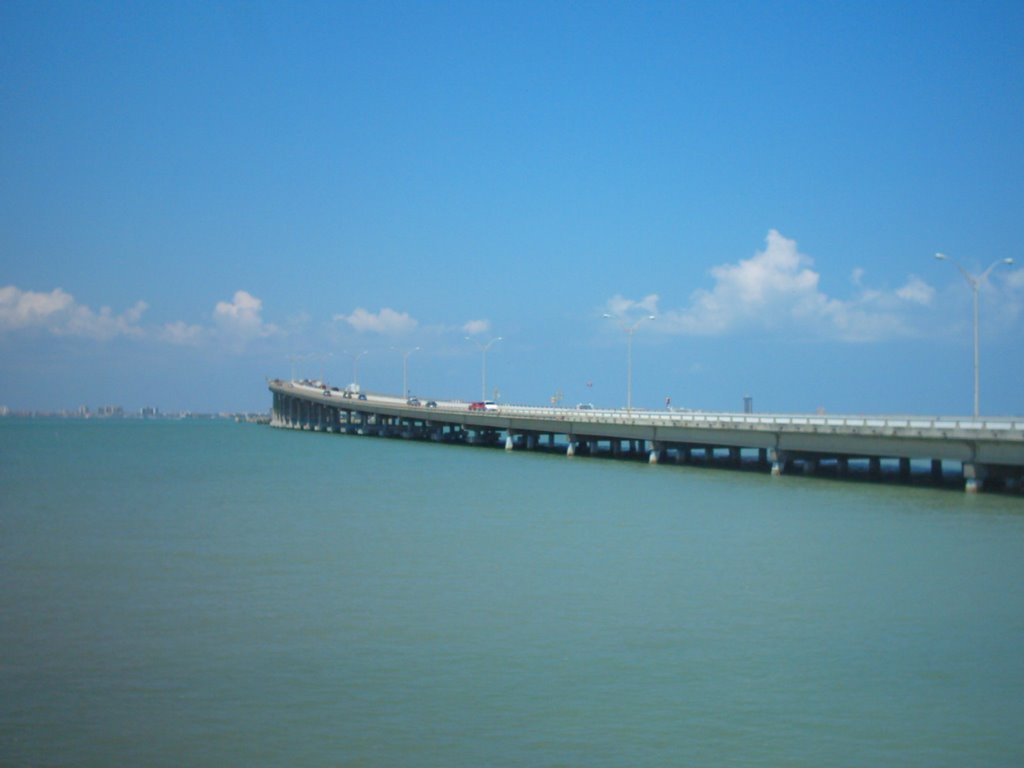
986, 452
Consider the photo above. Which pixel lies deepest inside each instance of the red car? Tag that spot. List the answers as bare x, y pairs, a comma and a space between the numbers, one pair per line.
477, 407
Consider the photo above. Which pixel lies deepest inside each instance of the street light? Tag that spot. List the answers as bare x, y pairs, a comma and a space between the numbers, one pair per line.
629, 329
355, 366
483, 365
323, 362
975, 282
293, 359
405, 368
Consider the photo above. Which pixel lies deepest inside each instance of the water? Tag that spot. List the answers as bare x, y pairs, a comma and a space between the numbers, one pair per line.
209, 593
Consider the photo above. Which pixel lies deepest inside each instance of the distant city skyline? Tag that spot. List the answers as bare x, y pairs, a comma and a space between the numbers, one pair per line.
196, 199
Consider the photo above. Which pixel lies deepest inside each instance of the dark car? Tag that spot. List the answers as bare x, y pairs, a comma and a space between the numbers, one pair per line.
431, 403
362, 396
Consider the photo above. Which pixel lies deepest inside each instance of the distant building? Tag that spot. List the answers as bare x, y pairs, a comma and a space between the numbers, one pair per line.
110, 412
149, 412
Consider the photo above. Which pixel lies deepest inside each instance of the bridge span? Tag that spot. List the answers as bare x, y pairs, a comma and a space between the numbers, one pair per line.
985, 452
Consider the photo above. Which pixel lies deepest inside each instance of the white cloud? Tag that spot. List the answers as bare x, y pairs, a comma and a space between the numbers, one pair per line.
387, 321
241, 318
24, 309
243, 311
778, 289
58, 313
1008, 304
235, 322
916, 291
182, 334
476, 327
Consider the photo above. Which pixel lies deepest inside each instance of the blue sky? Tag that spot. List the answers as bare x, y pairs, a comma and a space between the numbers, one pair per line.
198, 196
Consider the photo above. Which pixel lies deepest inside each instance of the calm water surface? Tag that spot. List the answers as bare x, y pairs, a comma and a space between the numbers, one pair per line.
209, 594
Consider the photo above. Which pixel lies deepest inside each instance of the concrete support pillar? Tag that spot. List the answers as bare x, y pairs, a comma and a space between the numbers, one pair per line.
843, 466
974, 477
531, 441
810, 465
709, 454
655, 455
735, 457
684, 456
779, 460
904, 468
874, 467
571, 450
937, 470
510, 442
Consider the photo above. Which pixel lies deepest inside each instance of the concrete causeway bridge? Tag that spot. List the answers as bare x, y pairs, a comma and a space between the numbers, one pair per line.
986, 452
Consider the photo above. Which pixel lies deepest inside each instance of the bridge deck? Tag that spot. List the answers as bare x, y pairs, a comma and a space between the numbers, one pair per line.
988, 449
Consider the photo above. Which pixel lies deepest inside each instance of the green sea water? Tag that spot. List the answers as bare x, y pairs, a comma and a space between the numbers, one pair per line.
212, 593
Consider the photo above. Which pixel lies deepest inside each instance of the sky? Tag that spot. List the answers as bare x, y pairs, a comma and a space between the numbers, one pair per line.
196, 197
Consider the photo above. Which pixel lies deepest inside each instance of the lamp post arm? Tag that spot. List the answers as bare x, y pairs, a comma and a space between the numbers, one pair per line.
992, 266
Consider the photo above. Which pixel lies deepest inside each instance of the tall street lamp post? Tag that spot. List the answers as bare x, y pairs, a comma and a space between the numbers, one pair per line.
405, 368
323, 362
483, 364
975, 282
293, 359
355, 366
629, 329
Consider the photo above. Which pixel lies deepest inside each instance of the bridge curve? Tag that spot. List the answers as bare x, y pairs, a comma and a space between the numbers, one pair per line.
989, 451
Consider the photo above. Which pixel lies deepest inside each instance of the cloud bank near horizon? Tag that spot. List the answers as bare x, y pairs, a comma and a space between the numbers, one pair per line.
59, 314
777, 290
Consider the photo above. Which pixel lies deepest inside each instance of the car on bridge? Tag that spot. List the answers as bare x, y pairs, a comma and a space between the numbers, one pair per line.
412, 401
483, 405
